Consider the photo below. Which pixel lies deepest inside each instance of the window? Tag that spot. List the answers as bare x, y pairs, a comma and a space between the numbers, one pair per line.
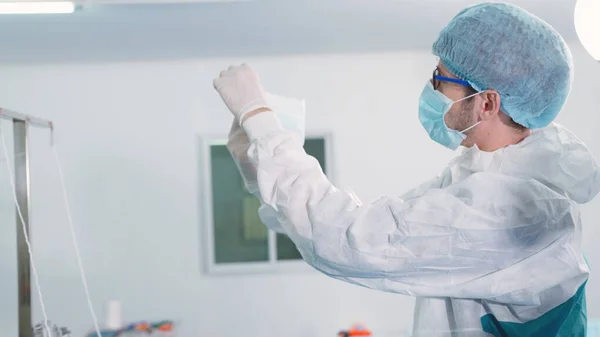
235, 238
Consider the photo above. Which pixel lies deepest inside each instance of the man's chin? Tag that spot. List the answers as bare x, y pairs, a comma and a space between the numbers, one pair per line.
467, 143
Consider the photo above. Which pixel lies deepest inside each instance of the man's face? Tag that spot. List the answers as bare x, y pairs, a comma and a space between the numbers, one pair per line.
461, 115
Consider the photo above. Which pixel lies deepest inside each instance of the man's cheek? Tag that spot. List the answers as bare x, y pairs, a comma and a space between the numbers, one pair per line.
449, 119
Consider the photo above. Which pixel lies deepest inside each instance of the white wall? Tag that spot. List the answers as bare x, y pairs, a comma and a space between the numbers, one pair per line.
128, 138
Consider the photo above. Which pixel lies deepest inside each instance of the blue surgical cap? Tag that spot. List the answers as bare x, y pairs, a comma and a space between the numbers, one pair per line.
505, 48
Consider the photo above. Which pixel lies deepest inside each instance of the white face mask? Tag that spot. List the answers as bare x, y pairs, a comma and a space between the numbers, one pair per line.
433, 106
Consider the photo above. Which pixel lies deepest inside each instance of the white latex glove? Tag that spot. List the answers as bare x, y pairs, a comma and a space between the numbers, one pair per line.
238, 145
290, 112
241, 90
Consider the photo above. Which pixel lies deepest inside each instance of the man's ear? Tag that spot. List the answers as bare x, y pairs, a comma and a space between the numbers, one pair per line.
490, 104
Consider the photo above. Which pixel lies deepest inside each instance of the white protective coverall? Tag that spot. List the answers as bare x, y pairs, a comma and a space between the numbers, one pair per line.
491, 247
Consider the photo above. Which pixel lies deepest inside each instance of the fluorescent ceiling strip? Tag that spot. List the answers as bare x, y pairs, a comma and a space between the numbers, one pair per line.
46, 7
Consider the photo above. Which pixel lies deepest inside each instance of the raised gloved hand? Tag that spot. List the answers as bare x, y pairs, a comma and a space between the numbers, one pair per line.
241, 90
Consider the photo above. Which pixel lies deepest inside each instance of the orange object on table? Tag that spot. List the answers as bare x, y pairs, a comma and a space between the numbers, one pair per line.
357, 330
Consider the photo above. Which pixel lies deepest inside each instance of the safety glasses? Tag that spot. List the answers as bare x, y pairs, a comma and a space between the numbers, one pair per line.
437, 79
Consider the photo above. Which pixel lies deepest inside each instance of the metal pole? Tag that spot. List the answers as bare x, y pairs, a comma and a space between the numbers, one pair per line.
21, 123
22, 185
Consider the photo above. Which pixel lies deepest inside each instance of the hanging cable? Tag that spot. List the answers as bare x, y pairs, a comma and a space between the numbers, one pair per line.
74, 240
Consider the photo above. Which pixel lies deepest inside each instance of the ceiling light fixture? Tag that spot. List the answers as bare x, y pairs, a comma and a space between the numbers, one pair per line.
587, 25
40, 7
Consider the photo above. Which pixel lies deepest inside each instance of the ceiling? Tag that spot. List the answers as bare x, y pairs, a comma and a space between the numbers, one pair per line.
246, 28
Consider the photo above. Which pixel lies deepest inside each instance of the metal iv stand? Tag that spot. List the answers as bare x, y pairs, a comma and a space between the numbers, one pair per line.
21, 125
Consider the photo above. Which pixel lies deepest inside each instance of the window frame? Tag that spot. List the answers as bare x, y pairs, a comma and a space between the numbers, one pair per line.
210, 266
